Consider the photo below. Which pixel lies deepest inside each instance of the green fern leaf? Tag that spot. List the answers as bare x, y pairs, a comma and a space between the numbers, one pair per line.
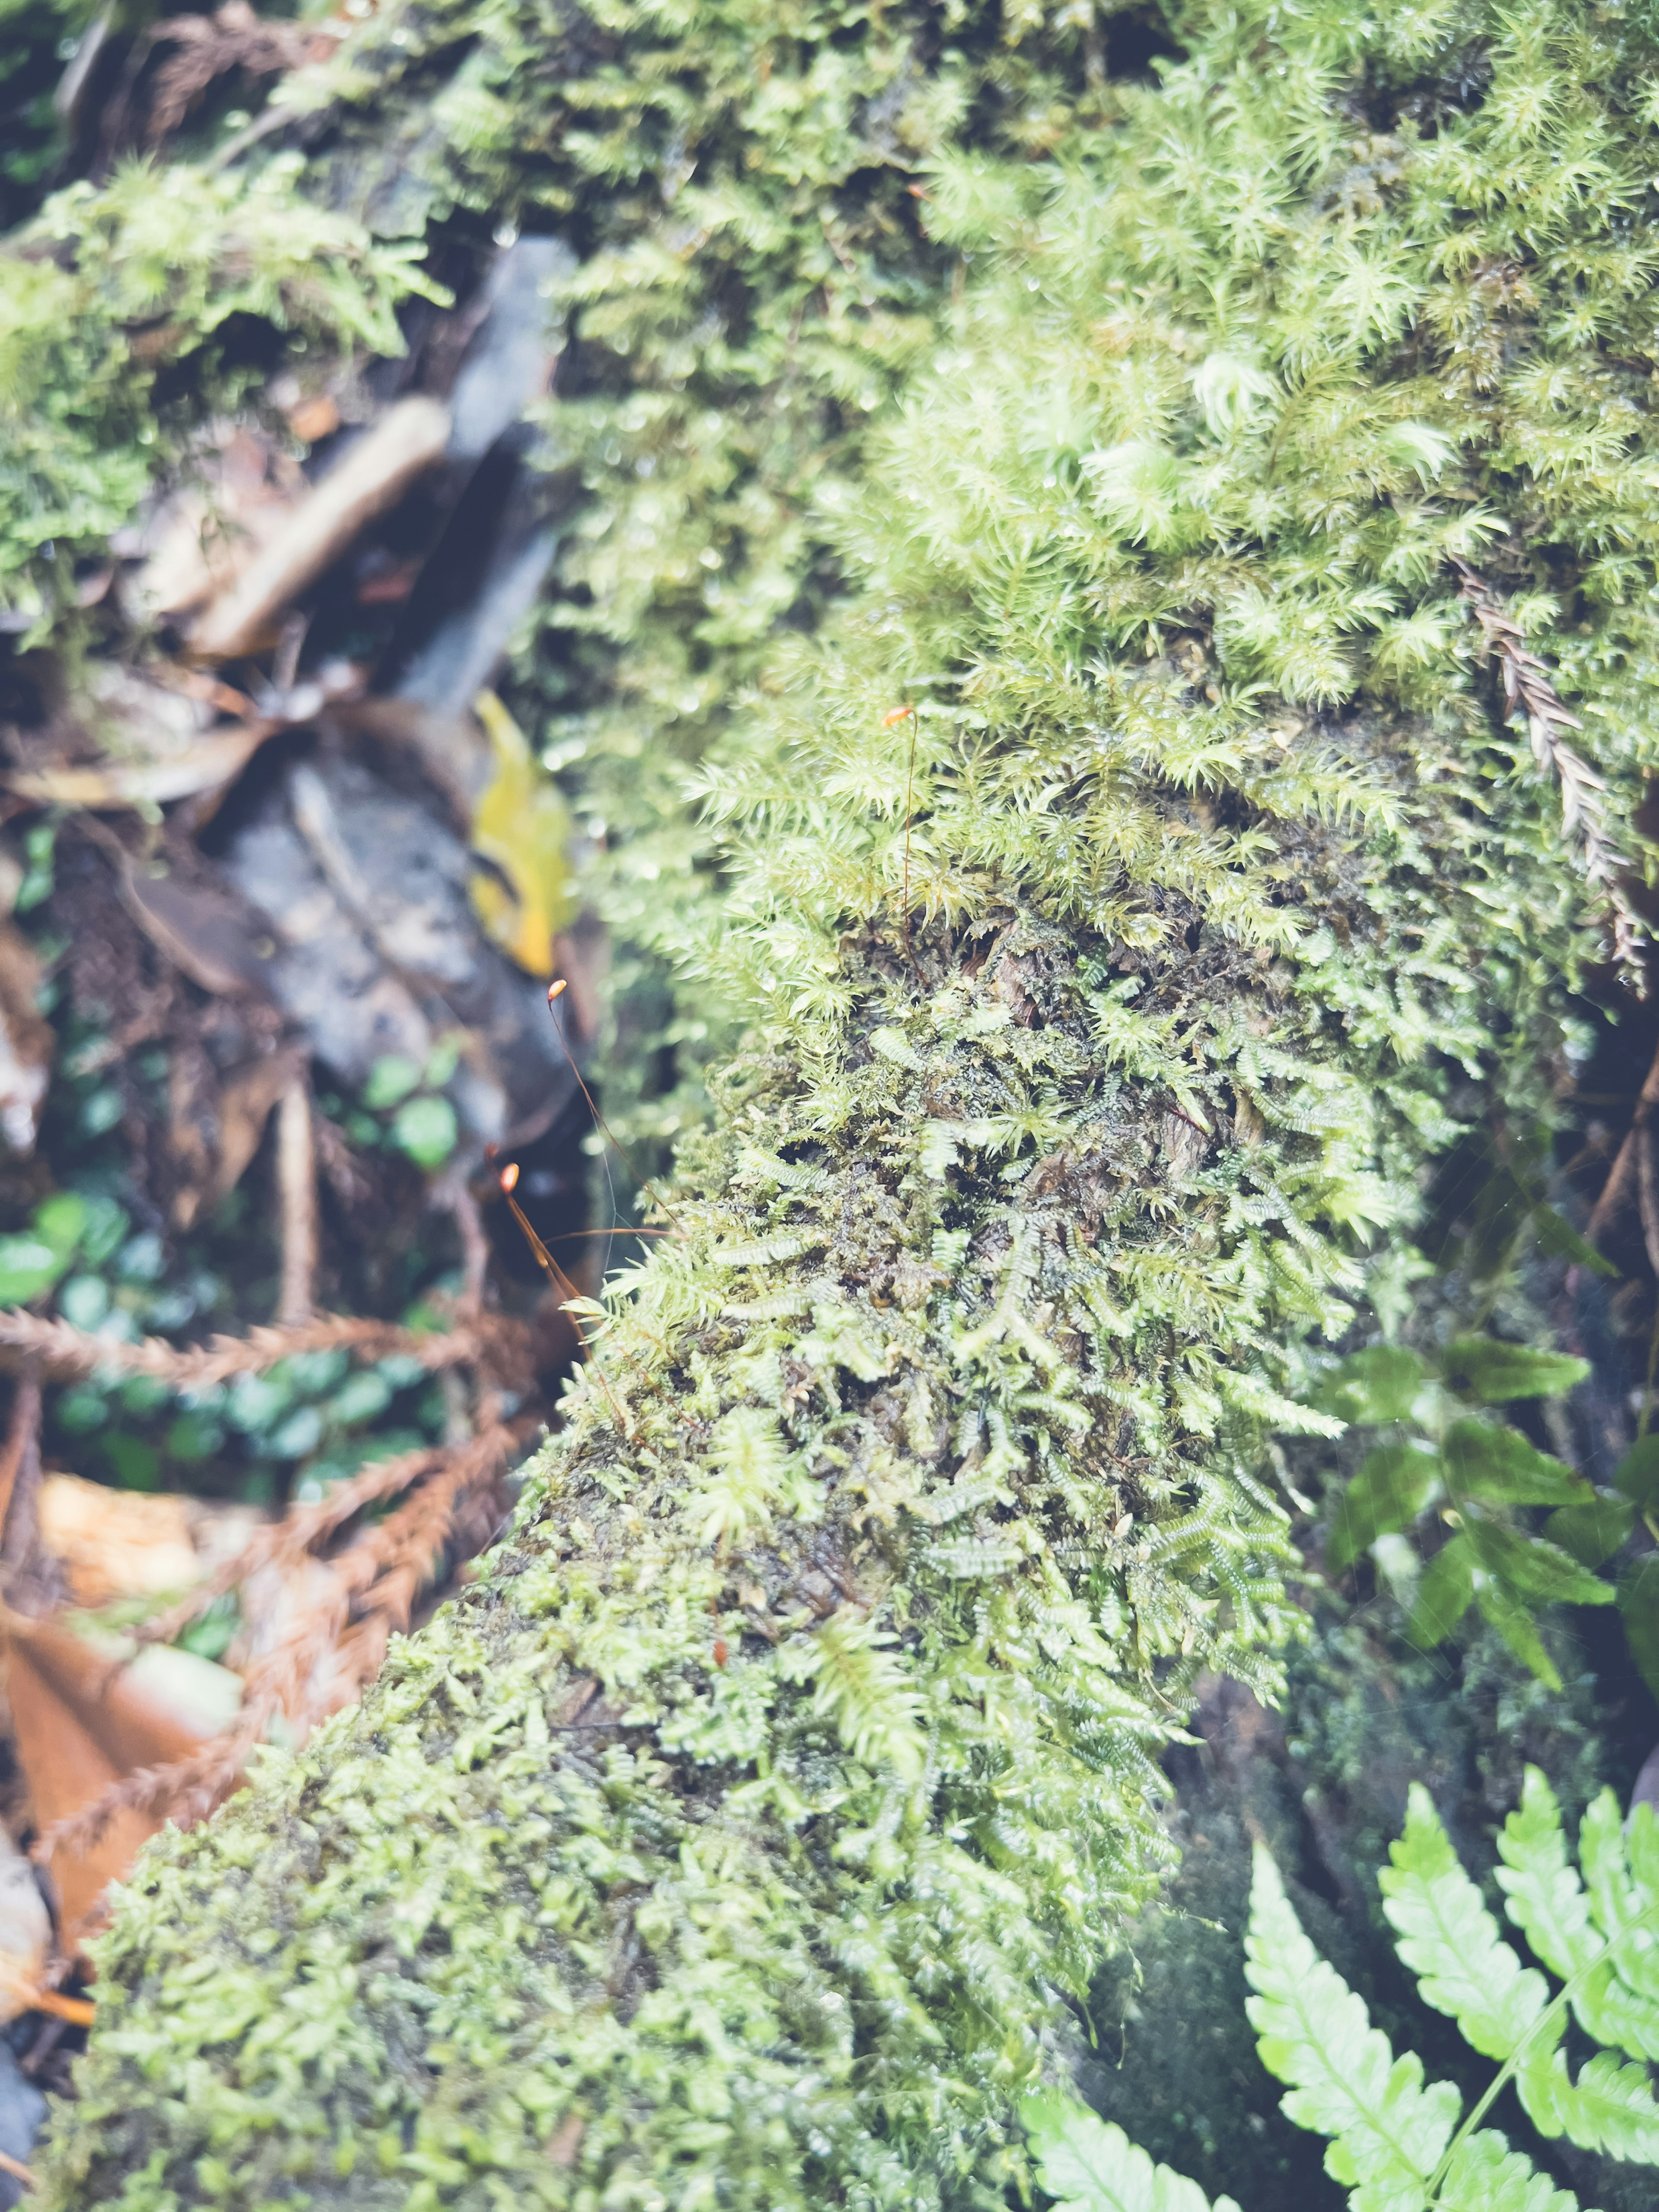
1484, 2175
1516, 1624
1601, 1945
1452, 1943
1391, 1490
1500, 1467
1547, 1901
1090, 2165
1609, 2108
1494, 1373
1443, 1594
1389, 2131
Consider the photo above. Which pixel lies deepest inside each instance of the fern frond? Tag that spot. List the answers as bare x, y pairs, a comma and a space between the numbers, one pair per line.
1089, 2165
1601, 1945
1452, 1943
1389, 2130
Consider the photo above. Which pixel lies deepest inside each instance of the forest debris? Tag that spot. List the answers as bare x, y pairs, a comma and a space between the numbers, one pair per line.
20, 1470
24, 1931
449, 751
65, 1351
207, 933
522, 826
1528, 691
117, 1544
322, 1625
1633, 1152
379, 950
314, 418
208, 764
370, 478
296, 1186
201, 541
81, 1725
27, 1042
245, 1105
210, 46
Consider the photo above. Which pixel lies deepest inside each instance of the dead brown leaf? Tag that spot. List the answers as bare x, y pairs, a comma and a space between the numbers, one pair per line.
207, 764
245, 1105
26, 1042
83, 1726
367, 481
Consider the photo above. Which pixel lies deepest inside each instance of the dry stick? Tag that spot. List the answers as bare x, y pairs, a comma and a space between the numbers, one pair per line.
65, 1351
508, 1177
553, 992
18, 2171
1614, 1188
23, 1438
284, 1541
296, 1185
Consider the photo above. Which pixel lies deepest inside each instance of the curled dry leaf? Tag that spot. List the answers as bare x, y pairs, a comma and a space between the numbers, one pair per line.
117, 1544
210, 762
200, 542
245, 1105
83, 1723
24, 1931
370, 479
26, 1043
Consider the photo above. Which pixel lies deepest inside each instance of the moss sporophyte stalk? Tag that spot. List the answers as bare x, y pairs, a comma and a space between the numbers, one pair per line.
736, 1838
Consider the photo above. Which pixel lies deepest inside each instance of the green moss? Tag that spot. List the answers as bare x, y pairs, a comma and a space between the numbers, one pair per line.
116, 304
728, 1842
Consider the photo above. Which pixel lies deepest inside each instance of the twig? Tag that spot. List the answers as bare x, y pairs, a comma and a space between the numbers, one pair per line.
18, 2171
65, 1351
451, 1194
1528, 691
1614, 1188
296, 1185
22, 1447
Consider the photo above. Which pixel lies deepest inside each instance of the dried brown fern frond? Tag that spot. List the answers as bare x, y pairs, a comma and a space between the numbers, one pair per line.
1529, 691
337, 1638
491, 1341
206, 48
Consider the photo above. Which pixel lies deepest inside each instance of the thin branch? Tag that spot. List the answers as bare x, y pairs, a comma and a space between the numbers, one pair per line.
1615, 1188
22, 1455
296, 1185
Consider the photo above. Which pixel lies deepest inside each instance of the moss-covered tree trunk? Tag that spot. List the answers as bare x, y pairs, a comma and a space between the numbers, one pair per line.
1131, 892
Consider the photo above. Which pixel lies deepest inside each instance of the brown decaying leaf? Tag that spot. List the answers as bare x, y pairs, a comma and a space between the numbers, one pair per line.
210, 762
209, 46
26, 1043
370, 478
81, 1727
328, 1647
117, 1544
202, 538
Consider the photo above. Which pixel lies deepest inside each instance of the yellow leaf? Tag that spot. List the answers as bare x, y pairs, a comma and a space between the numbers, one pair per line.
522, 826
